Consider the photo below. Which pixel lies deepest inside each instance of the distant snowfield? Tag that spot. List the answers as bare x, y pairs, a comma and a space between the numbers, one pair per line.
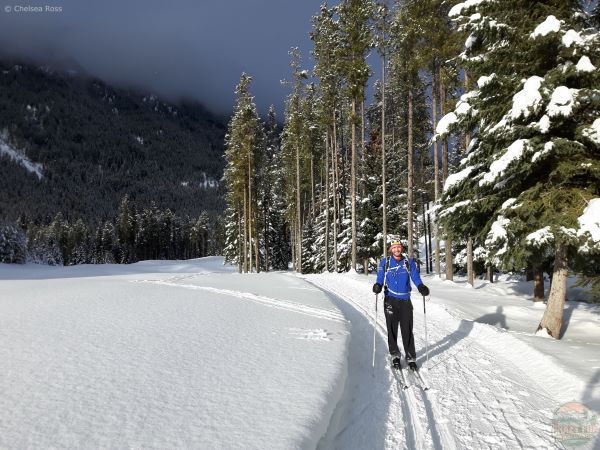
191, 354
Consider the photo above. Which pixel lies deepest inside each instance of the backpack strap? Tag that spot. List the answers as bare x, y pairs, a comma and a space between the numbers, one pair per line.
407, 267
385, 271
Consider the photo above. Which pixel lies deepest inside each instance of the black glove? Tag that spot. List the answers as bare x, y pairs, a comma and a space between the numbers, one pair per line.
423, 290
377, 288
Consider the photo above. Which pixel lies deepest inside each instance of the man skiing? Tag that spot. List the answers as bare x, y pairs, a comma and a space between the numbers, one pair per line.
394, 275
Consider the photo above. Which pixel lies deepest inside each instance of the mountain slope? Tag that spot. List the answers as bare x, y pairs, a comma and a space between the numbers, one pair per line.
95, 143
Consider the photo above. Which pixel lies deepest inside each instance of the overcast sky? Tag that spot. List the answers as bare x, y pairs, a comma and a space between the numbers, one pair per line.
175, 48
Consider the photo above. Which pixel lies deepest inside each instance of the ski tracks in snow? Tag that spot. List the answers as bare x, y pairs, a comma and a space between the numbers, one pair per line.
414, 421
477, 400
312, 311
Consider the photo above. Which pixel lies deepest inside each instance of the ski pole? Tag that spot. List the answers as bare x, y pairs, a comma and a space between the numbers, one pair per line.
426, 340
374, 331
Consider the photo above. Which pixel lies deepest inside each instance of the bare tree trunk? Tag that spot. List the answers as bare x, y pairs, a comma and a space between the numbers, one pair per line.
444, 141
293, 238
449, 259
298, 220
429, 238
425, 235
490, 273
245, 242
409, 206
250, 210
538, 284
240, 240
470, 273
256, 239
363, 156
336, 206
436, 166
266, 234
327, 202
353, 183
448, 242
383, 170
552, 319
312, 185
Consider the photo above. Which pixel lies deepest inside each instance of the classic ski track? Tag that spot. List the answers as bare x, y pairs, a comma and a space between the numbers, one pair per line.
260, 299
413, 411
501, 406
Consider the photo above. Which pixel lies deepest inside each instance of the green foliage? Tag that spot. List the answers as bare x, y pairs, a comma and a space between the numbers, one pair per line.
533, 165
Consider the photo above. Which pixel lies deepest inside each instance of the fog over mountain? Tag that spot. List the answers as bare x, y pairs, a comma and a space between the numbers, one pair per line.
182, 49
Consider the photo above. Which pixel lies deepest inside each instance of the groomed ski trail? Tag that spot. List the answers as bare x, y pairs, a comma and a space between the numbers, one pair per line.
476, 399
408, 424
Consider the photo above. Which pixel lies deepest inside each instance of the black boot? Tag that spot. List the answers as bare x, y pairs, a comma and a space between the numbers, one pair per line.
396, 362
412, 363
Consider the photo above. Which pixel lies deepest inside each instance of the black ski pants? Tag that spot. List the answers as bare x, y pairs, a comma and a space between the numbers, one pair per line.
399, 312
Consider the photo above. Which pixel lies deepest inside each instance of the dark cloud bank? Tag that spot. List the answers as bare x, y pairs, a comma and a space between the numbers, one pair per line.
179, 49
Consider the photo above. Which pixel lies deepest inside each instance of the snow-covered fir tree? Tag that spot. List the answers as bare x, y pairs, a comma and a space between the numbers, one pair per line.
533, 167
13, 245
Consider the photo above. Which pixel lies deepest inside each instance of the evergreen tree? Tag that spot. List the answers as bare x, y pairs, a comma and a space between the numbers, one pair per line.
532, 168
13, 245
243, 143
356, 40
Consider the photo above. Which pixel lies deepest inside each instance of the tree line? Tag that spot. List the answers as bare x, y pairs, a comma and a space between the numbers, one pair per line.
483, 131
134, 234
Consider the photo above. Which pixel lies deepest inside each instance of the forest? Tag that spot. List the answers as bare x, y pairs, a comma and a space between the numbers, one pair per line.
75, 151
483, 133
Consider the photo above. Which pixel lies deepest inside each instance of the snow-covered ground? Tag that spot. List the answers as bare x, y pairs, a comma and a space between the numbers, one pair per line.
166, 355
191, 354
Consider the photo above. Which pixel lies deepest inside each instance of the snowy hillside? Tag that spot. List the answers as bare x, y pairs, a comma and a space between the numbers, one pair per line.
19, 157
191, 354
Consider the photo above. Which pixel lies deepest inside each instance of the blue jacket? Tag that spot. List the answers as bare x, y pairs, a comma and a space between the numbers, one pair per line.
398, 277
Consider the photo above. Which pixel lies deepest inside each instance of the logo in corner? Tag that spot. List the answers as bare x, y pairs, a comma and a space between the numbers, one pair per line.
575, 425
